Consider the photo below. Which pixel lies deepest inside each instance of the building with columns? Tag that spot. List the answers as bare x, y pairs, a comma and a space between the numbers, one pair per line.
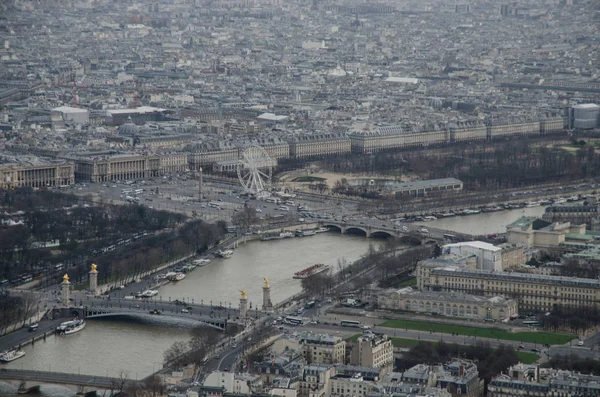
108, 167
448, 303
52, 174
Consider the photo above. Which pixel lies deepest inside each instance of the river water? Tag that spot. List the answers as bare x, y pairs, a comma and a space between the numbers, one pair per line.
484, 223
110, 347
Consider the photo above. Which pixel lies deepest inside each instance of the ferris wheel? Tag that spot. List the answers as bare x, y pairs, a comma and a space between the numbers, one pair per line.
255, 171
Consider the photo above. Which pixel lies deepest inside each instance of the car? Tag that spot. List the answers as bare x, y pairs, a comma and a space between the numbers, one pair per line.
185, 311
234, 346
580, 343
423, 230
521, 346
535, 350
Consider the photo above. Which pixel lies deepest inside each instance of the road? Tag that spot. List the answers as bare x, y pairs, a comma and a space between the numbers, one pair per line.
23, 336
63, 378
166, 307
182, 196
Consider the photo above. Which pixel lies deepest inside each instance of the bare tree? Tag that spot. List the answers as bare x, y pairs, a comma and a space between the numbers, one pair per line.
119, 382
203, 340
175, 356
245, 218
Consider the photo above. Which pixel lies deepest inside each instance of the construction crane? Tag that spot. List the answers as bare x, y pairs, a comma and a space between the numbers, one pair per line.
136, 93
74, 86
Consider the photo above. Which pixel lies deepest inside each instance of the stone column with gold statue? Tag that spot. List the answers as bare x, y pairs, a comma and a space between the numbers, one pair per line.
267, 304
94, 279
243, 305
65, 287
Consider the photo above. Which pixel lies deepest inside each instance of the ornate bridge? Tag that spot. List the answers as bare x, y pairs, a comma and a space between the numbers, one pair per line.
157, 312
369, 231
376, 228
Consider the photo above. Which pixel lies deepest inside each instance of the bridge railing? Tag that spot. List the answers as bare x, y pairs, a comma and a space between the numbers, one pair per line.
60, 377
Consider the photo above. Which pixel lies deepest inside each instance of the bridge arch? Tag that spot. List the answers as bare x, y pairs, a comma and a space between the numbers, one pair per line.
164, 319
334, 228
356, 230
381, 233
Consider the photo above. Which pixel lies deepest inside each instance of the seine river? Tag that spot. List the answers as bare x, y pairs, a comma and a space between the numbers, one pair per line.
109, 347
485, 223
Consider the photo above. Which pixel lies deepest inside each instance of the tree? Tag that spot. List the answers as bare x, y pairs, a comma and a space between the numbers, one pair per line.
245, 218
317, 284
152, 387
203, 340
175, 356
119, 382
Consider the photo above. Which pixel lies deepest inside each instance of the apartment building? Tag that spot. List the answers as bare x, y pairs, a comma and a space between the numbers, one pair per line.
372, 350
37, 175
356, 386
233, 382
530, 380
531, 291
319, 145
448, 303
513, 255
323, 348
315, 380
390, 137
461, 376
209, 156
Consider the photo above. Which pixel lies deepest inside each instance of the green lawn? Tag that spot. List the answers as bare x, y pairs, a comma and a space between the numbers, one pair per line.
403, 342
528, 337
524, 357
308, 179
411, 282
527, 357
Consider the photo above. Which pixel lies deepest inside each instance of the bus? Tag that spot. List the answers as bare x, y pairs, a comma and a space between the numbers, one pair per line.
450, 237
138, 191
531, 323
273, 200
214, 205
126, 191
294, 320
350, 323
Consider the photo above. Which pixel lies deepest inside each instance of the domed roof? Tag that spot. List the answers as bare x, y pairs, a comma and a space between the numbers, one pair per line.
128, 128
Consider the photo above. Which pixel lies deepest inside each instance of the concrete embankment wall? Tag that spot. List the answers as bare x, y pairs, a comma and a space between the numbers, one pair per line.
288, 228
102, 289
18, 325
